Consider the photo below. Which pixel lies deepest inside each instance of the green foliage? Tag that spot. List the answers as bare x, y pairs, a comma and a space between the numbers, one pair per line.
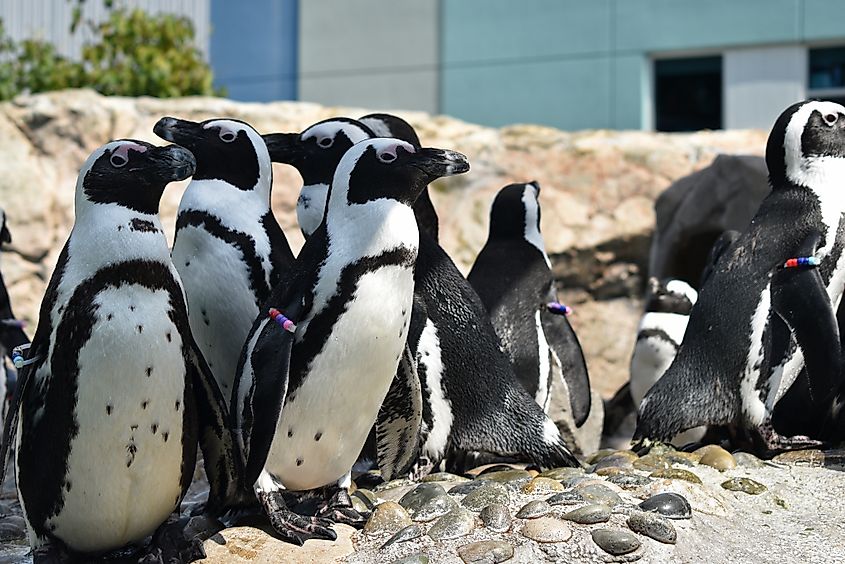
131, 54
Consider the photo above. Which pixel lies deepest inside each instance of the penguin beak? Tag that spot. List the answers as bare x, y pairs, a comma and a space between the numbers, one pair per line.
172, 163
437, 163
179, 131
284, 148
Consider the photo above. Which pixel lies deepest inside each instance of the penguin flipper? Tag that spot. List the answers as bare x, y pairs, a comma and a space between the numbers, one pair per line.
564, 343
269, 363
800, 298
10, 424
221, 457
399, 420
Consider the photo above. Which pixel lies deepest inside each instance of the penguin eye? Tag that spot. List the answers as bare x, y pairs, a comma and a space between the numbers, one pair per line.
227, 136
830, 119
387, 157
118, 161
326, 142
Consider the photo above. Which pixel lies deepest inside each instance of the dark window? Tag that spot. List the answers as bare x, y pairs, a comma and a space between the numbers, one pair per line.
688, 94
827, 74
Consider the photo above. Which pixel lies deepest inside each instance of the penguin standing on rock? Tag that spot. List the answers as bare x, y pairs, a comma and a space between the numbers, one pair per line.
113, 395
766, 309
473, 407
313, 376
229, 250
513, 277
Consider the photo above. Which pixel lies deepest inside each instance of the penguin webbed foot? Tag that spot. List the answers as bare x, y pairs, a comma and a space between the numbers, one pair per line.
51, 553
292, 527
170, 545
771, 442
338, 509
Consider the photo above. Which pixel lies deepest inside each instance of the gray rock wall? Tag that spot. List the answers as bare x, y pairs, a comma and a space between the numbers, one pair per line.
598, 192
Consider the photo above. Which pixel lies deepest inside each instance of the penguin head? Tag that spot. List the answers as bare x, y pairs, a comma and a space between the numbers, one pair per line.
515, 213
132, 174
388, 125
316, 152
806, 146
670, 296
5, 236
225, 149
392, 169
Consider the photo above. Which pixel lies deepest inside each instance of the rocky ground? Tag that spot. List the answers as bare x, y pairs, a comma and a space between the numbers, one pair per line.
664, 507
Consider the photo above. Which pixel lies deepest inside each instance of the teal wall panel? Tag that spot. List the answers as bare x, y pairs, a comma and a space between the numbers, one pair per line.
662, 25
497, 30
571, 94
823, 20
629, 74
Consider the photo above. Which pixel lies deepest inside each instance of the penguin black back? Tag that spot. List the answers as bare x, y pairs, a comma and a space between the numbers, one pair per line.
753, 303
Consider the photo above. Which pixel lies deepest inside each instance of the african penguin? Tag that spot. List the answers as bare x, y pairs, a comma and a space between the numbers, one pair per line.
324, 142
388, 125
115, 395
512, 275
659, 334
307, 399
229, 250
11, 333
470, 392
767, 308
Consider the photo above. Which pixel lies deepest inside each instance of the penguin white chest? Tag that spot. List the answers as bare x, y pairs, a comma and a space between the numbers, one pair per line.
325, 421
221, 300
310, 207
125, 462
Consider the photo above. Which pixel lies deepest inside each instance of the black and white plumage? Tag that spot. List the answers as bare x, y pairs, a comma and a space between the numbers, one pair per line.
660, 332
108, 414
229, 249
305, 402
470, 392
388, 125
757, 324
512, 275
11, 333
309, 152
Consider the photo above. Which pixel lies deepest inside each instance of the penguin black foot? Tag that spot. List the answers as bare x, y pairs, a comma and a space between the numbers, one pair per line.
772, 442
51, 553
338, 509
170, 545
292, 527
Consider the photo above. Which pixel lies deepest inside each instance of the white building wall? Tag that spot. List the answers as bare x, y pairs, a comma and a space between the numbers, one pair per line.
50, 20
759, 83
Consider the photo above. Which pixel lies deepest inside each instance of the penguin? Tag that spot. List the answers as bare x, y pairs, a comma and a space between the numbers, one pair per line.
12, 334
767, 308
325, 141
660, 332
313, 376
470, 391
229, 249
512, 275
114, 394
388, 125
659, 335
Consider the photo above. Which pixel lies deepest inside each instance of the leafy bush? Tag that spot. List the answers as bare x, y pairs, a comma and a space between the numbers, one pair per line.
132, 54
